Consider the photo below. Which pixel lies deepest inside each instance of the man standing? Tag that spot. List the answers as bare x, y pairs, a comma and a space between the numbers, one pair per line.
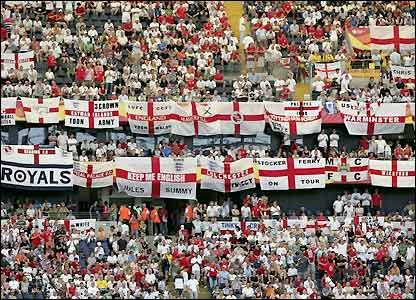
377, 201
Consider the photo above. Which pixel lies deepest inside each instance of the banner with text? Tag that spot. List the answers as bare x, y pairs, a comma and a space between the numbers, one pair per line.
157, 177
392, 173
227, 177
93, 174
347, 170
36, 168
8, 111
406, 74
16, 60
294, 117
41, 110
91, 114
291, 173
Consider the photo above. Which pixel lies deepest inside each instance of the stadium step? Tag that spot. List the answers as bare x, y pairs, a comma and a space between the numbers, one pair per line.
235, 10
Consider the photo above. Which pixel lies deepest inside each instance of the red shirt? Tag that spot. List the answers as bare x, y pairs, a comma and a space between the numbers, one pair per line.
319, 33
364, 143
377, 200
80, 74
191, 84
282, 40
51, 61
242, 153
181, 12
395, 296
36, 238
218, 77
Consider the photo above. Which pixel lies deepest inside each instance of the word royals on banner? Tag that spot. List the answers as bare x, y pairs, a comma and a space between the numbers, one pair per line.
16, 60
41, 110
294, 117
227, 177
291, 173
396, 174
157, 177
406, 74
91, 114
93, 175
347, 170
33, 167
8, 111
365, 118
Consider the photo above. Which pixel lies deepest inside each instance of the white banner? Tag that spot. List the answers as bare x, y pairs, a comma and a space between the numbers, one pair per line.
291, 173
239, 118
157, 177
33, 167
392, 173
387, 38
41, 110
150, 118
194, 119
17, 60
93, 174
91, 114
294, 117
8, 111
407, 74
347, 170
227, 177
328, 70
83, 224
365, 118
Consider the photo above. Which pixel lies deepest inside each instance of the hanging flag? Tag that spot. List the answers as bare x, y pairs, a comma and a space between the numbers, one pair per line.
291, 173
328, 70
157, 177
227, 177
392, 173
41, 110
150, 118
347, 170
294, 117
8, 111
17, 60
93, 174
91, 114
406, 74
37, 168
239, 118
365, 118
194, 119
388, 38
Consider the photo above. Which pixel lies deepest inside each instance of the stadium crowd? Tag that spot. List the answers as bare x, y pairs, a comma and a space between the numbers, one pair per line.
41, 258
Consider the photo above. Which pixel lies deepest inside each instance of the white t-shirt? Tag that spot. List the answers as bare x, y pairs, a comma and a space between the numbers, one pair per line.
245, 212
193, 284
338, 205
318, 86
323, 140
333, 140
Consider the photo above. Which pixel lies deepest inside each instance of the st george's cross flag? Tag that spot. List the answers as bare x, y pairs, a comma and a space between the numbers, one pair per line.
17, 60
227, 177
93, 174
239, 118
388, 38
8, 111
328, 70
195, 119
150, 118
392, 173
345, 170
157, 177
294, 117
91, 114
291, 173
41, 110
35, 167
365, 118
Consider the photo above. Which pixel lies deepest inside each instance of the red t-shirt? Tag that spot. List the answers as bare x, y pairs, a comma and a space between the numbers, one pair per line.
36, 238
181, 12
80, 74
51, 61
376, 200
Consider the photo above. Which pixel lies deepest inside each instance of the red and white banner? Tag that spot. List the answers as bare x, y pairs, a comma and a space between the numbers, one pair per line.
328, 69
392, 173
406, 74
347, 170
241, 118
91, 114
291, 173
365, 118
34, 167
227, 177
17, 60
93, 174
157, 177
8, 111
150, 118
194, 119
41, 110
294, 117
387, 38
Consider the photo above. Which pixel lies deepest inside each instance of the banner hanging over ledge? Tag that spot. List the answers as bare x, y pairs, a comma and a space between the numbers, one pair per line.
157, 177
392, 173
36, 168
93, 174
8, 111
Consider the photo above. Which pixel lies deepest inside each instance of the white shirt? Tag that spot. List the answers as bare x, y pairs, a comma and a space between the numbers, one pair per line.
323, 140
245, 212
318, 86
338, 206
333, 140
193, 284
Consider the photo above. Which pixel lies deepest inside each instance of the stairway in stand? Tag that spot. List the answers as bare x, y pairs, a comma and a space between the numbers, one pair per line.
235, 10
